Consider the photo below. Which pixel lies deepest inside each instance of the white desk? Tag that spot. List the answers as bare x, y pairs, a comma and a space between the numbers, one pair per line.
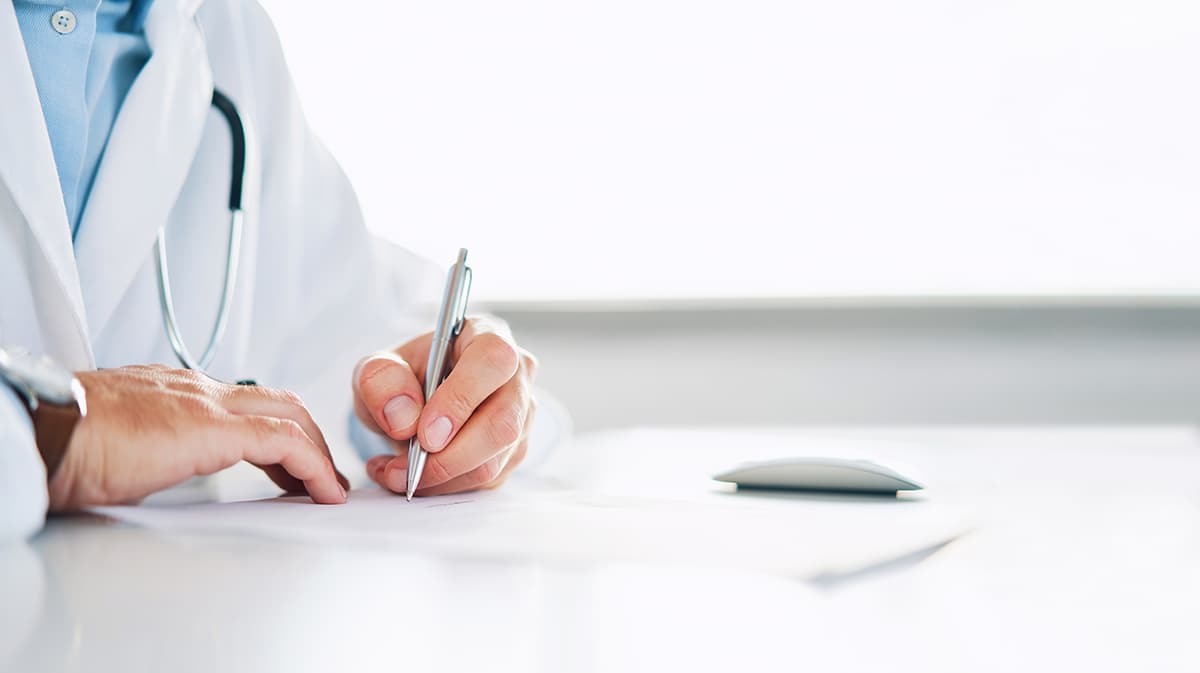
1086, 557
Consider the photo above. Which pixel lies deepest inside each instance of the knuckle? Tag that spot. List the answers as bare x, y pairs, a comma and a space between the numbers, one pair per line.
499, 353
519, 454
505, 471
190, 375
531, 364
504, 427
460, 402
199, 408
292, 431
186, 379
491, 469
436, 468
264, 429
372, 368
274, 430
484, 474
289, 396
378, 376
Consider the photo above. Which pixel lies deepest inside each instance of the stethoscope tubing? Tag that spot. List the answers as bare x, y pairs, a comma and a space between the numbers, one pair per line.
232, 256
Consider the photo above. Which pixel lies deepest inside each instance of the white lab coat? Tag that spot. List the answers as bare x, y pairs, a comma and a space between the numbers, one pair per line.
315, 291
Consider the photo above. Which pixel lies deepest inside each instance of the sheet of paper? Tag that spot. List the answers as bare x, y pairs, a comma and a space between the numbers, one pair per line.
798, 537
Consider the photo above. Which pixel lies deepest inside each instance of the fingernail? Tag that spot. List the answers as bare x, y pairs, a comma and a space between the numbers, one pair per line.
436, 434
400, 412
397, 480
343, 490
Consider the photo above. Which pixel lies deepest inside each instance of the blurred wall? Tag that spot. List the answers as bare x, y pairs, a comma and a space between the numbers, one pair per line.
861, 364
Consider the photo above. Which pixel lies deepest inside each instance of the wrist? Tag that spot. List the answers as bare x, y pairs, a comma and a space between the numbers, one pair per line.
54, 427
60, 486
54, 398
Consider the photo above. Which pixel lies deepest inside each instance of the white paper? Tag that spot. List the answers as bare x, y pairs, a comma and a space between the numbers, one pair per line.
799, 537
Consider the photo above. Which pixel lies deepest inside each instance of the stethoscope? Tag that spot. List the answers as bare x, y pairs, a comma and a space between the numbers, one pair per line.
232, 257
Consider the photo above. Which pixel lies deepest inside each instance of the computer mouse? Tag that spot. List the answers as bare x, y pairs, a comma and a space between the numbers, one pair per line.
819, 474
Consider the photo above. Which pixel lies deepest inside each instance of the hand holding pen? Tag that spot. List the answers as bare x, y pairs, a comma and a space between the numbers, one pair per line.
474, 426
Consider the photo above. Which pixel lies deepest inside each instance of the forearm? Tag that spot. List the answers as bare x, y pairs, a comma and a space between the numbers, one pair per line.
22, 473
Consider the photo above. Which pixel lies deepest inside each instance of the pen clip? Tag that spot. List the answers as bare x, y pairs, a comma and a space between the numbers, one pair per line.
460, 309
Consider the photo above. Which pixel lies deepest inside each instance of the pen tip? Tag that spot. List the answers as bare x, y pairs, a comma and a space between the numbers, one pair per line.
408, 496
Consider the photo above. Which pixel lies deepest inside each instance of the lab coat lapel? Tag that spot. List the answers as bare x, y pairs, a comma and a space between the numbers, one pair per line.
146, 162
29, 174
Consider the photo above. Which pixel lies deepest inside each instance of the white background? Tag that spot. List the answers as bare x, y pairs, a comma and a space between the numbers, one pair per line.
661, 148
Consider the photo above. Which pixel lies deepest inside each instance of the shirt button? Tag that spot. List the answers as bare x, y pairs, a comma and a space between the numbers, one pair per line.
63, 21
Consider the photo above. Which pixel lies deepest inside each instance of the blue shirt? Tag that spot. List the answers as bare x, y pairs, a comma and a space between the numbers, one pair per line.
82, 78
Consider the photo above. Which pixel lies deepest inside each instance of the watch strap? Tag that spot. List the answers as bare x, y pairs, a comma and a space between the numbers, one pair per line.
53, 426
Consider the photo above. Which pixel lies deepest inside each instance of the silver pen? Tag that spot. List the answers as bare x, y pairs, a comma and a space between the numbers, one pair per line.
451, 316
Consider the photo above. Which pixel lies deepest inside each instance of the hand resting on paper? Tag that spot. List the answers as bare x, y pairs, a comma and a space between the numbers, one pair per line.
151, 427
475, 426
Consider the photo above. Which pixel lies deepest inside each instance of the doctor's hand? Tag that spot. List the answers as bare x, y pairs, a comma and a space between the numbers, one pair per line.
475, 426
148, 428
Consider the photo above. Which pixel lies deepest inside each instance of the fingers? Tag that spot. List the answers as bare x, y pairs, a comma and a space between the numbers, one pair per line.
476, 479
266, 440
387, 395
493, 430
289, 484
474, 425
263, 401
488, 360
204, 425
391, 472
490, 475
484, 476
375, 466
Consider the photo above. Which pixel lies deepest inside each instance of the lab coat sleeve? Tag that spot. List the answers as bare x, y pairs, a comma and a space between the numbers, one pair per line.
22, 473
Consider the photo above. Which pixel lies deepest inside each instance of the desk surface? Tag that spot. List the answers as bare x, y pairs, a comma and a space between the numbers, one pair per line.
1086, 556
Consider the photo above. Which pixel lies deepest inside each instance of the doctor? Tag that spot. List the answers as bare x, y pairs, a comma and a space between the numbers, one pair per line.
109, 133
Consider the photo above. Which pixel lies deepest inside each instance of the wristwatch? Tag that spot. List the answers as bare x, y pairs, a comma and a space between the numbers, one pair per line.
53, 396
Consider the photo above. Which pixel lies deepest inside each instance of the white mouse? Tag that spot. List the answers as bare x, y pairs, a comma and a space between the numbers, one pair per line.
819, 474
